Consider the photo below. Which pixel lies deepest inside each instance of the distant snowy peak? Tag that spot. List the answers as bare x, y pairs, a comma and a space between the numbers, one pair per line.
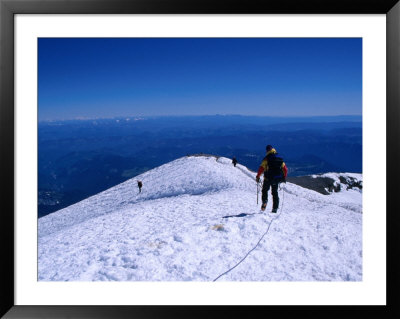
329, 183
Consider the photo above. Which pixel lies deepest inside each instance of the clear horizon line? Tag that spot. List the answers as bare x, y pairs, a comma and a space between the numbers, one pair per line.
83, 118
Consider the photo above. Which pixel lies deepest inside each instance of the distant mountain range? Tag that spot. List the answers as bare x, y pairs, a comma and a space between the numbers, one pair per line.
80, 158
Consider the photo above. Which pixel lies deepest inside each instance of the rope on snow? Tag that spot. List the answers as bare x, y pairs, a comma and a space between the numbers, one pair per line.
266, 232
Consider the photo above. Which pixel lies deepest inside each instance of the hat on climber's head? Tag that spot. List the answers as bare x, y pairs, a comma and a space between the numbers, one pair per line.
268, 148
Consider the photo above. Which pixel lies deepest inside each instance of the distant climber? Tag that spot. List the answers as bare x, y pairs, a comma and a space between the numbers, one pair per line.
234, 161
139, 184
275, 172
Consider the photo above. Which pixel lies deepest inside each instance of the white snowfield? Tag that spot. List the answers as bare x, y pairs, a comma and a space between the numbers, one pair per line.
178, 229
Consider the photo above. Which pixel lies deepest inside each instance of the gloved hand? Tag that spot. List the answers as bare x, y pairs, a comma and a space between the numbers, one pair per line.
257, 179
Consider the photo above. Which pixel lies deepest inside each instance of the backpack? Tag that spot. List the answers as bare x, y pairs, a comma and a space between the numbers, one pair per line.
274, 172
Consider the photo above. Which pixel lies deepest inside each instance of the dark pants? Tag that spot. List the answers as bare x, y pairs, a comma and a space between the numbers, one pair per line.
274, 189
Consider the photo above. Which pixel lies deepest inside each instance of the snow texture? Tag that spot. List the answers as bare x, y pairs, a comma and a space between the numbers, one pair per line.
196, 218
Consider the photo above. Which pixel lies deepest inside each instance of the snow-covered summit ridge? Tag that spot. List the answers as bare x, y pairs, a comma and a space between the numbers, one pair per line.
195, 218
186, 176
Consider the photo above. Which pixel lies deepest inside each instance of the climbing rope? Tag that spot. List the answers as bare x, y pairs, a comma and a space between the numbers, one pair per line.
266, 232
283, 198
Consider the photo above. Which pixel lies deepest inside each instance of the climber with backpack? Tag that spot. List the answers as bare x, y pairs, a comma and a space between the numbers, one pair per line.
275, 172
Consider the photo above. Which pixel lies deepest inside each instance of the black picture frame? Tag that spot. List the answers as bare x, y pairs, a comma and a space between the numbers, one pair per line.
8, 8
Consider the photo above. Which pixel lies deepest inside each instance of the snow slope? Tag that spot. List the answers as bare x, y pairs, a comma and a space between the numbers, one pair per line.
195, 219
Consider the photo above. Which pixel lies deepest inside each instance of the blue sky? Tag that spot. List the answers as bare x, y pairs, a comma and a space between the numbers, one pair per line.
110, 77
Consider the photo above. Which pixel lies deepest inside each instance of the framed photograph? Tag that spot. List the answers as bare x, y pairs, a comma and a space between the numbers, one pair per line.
140, 179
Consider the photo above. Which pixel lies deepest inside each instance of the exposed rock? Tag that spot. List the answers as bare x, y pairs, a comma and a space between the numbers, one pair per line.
326, 185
